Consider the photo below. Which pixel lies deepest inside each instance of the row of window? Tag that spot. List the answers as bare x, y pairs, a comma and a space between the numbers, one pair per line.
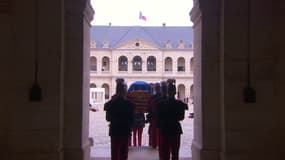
137, 64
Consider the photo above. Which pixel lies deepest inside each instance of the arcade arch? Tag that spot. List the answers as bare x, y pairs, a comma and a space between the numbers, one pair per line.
105, 63
93, 63
137, 63
123, 63
181, 64
192, 64
181, 91
107, 90
168, 64
93, 85
151, 63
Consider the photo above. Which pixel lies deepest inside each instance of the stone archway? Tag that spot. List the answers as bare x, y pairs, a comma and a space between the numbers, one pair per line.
63, 42
202, 146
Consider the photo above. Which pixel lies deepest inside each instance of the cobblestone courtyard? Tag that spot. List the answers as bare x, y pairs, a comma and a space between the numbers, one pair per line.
98, 130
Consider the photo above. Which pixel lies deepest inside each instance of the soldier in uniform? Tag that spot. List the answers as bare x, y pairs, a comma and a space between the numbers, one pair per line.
119, 112
152, 117
137, 128
163, 97
170, 112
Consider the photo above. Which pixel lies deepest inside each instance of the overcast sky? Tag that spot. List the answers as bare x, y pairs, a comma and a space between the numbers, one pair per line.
157, 12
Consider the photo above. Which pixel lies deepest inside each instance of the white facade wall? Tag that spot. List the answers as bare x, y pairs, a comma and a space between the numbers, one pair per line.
145, 50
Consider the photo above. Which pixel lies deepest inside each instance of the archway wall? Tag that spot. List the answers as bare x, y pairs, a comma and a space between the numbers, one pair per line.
252, 129
78, 15
225, 126
31, 130
52, 128
207, 129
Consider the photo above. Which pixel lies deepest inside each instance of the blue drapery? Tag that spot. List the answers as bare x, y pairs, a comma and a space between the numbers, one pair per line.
140, 85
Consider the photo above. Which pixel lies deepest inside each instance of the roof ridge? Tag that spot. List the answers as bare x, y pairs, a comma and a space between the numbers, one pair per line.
116, 43
151, 36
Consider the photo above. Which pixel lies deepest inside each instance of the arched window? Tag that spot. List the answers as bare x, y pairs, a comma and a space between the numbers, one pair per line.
181, 92
93, 95
192, 64
93, 63
123, 63
107, 90
151, 63
137, 63
192, 92
92, 85
181, 64
168, 64
105, 64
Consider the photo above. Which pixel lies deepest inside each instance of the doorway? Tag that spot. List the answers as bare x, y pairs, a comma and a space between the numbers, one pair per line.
137, 63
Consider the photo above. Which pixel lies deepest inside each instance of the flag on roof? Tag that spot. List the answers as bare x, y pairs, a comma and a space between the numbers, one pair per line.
142, 17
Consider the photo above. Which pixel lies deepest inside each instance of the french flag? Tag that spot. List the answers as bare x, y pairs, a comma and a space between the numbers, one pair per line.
142, 17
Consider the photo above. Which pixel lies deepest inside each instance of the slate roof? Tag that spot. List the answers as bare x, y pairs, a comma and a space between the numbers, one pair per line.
157, 35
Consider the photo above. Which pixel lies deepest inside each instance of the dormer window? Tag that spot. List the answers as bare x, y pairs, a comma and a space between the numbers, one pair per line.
93, 44
168, 44
181, 44
105, 44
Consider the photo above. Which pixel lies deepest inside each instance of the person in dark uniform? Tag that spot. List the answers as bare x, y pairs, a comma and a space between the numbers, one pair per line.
170, 112
152, 116
119, 112
163, 97
137, 128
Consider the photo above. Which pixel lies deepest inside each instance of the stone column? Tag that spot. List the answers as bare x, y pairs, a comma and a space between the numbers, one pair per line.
207, 88
78, 15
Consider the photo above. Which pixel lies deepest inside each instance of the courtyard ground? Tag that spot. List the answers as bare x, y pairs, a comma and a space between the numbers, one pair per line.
98, 130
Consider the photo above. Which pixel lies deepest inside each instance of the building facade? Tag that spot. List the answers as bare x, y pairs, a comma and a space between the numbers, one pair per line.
138, 53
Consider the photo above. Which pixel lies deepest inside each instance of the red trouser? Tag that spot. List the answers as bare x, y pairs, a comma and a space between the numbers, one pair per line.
119, 147
153, 134
167, 145
137, 135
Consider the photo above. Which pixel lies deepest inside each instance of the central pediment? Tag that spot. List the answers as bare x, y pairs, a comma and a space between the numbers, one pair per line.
137, 44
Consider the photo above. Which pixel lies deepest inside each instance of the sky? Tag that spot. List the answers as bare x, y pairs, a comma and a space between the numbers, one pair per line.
157, 12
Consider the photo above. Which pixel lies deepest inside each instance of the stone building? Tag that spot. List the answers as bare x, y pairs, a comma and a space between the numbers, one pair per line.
138, 53
239, 79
